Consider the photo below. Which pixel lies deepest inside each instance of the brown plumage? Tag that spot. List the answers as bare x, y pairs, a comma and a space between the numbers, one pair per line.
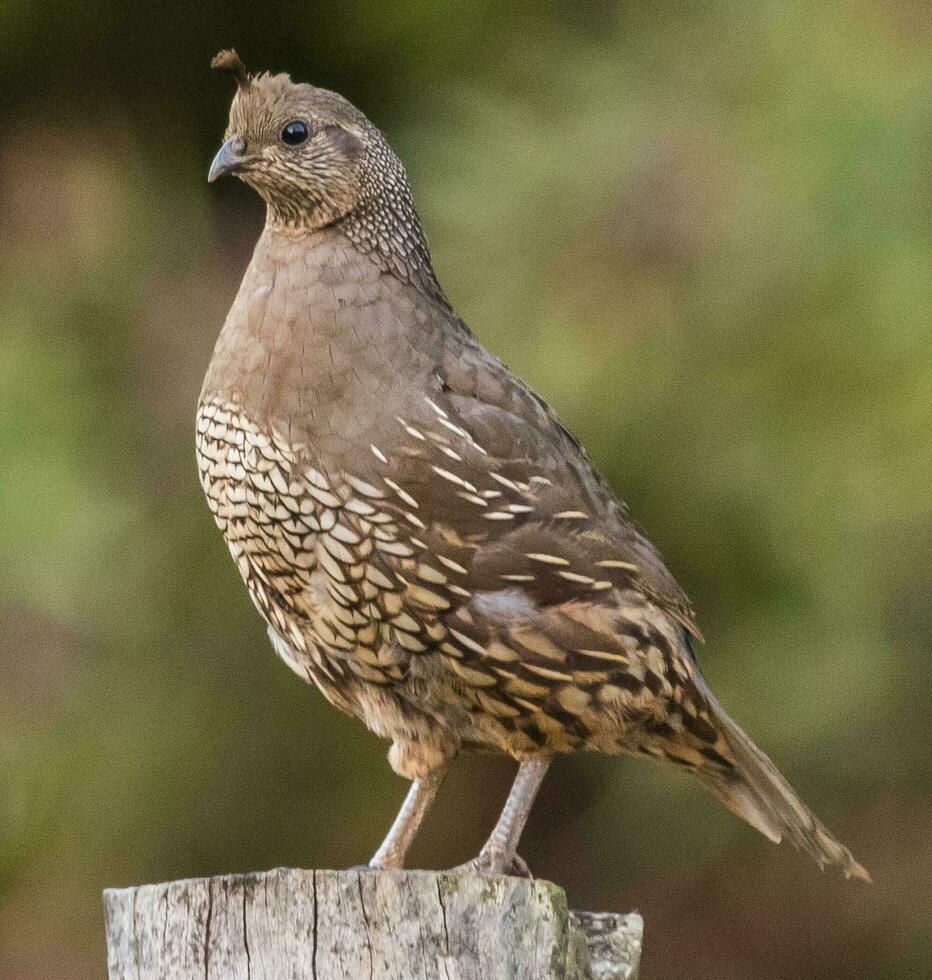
425, 540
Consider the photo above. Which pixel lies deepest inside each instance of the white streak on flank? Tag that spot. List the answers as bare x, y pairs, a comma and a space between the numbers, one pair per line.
397, 548
527, 705
573, 577
455, 428
378, 454
453, 478
345, 534
428, 598
504, 481
414, 433
337, 549
602, 584
611, 563
451, 564
405, 496
556, 675
472, 498
543, 480
323, 497
440, 412
458, 590
517, 578
360, 486
491, 494
317, 478
356, 506
427, 573
467, 642
451, 453
547, 559
377, 578
520, 508
605, 655
445, 421
498, 515
567, 514
415, 520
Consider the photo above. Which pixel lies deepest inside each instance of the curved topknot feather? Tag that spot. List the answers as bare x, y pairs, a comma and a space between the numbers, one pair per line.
229, 61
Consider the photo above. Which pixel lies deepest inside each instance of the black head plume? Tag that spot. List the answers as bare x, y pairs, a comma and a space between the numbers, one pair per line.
229, 61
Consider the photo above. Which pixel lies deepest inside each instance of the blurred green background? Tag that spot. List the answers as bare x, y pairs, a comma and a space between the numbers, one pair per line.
702, 230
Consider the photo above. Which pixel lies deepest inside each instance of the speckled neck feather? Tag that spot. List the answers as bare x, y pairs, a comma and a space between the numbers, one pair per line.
382, 223
385, 223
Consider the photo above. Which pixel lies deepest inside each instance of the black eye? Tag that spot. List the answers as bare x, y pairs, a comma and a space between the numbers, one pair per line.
295, 133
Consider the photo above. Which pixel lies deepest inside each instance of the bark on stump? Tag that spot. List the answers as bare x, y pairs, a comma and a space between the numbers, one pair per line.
373, 925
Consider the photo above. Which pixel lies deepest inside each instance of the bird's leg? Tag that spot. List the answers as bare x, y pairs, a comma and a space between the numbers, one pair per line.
391, 852
499, 853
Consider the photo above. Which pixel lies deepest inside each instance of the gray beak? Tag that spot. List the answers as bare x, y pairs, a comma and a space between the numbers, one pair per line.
229, 159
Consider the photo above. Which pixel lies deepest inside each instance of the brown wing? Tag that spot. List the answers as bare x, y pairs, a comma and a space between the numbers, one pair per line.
543, 597
512, 497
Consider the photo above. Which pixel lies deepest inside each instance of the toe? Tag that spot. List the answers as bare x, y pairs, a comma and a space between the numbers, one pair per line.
519, 868
486, 863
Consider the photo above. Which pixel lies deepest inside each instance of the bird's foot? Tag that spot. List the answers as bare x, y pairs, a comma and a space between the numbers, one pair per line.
376, 866
489, 862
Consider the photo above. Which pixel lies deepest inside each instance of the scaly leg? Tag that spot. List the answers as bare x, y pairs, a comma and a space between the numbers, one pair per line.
391, 852
499, 853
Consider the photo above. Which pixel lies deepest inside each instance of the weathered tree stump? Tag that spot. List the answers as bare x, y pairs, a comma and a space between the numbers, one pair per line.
377, 925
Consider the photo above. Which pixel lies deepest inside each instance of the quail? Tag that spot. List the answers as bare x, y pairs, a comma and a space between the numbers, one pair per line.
424, 539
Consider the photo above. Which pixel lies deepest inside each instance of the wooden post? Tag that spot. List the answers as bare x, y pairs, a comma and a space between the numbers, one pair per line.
373, 925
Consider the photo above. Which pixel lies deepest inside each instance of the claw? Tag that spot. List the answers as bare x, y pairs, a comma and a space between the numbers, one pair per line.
520, 869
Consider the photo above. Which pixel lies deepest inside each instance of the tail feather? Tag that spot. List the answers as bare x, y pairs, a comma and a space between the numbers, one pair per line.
756, 791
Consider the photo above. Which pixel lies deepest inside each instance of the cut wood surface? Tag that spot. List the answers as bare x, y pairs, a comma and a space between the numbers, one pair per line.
372, 925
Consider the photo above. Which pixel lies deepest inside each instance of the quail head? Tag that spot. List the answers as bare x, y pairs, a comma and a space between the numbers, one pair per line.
425, 541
